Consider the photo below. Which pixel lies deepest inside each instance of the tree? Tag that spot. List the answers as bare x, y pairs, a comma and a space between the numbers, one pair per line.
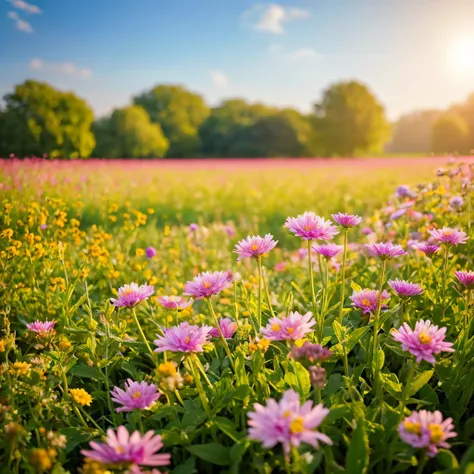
412, 132
350, 121
40, 119
450, 133
225, 123
466, 112
128, 133
179, 112
282, 134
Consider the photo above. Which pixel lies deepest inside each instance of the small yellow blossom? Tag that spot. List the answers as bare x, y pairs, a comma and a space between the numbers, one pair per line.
41, 459
20, 368
167, 369
81, 396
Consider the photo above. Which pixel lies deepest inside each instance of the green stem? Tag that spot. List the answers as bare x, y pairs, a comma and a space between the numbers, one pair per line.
200, 388
259, 275
91, 420
466, 320
311, 280
142, 334
269, 302
406, 390
343, 277
445, 277
223, 339
421, 463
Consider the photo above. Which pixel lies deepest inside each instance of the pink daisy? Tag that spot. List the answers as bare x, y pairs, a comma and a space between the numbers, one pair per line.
466, 278
328, 251
41, 327
309, 226
228, 328
425, 341
367, 300
346, 220
131, 295
385, 251
136, 396
448, 236
428, 249
183, 338
254, 246
287, 422
174, 302
405, 289
291, 327
207, 284
427, 430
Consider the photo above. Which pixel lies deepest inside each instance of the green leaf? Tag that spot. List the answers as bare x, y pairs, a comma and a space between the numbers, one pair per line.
355, 287
211, 452
447, 459
229, 428
420, 381
357, 459
349, 344
379, 360
238, 450
338, 331
187, 468
74, 436
86, 372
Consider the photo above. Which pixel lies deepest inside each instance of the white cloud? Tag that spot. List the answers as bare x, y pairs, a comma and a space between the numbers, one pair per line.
13, 15
20, 24
219, 78
67, 69
271, 17
25, 6
304, 54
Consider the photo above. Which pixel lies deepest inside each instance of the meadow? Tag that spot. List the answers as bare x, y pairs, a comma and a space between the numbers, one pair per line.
341, 343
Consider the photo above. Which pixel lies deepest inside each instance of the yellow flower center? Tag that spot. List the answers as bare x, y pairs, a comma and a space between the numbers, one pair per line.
297, 425
291, 330
127, 291
119, 449
424, 338
276, 327
366, 302
254, 247
414, 428
187, 339
436, 433
206, 284
136, 395
448, 232
287, 414
308, 227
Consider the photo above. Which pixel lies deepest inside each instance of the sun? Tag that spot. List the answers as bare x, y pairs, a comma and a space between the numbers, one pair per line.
461, 56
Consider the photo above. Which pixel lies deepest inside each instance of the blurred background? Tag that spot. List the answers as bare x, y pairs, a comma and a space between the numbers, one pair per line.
241, 78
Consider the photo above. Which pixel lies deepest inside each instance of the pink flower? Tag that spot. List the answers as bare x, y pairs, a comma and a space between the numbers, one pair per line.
280, 267
427, 430
183, 338
287, 422
174, 302
314, 353
405, 289
367, 231
346, 220
367, 300
207, 284
466, 278
131, 295
150, 252
41, 327
328, 251
448, 236
133, 450
309, 226
404, 191
136, 395
254, 246
228, 328
193, 227
427, 249
385, 251
424, 341
291, 327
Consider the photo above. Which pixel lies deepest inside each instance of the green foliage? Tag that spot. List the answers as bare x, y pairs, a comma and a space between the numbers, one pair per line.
350, 121
179, 112
450, 133
39, 119
128, 133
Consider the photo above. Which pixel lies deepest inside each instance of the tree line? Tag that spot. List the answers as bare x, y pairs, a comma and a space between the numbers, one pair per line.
169, 121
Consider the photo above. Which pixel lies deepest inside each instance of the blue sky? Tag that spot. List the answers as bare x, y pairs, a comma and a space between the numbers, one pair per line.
411, 53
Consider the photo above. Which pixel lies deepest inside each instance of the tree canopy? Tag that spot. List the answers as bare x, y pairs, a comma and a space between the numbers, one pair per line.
349, 121
450, 134
179, 113
38, 119
128, 132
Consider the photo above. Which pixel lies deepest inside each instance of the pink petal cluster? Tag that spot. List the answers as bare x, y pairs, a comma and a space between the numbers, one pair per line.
183, 338
328, 251
428, 249
313, 353
309, 226
427, 430
254, 246
41, 327
405, 289
287, 422
150, 252
174, 302
448, 236
425, 341
228, 328
207, 284
292, 327
131, 295
385, 250
367, 300
346, 220
466, 278
125, 449
136, 396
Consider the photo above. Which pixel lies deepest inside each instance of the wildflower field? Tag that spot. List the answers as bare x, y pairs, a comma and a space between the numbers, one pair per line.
297, 317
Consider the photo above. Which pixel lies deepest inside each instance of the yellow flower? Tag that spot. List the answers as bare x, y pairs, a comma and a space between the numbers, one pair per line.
2, 345
150, 211
113, 274
140, 252
41, 459
93, 467
81, 396
64, 344
167, 230
20, 368
7, 234
167, 369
